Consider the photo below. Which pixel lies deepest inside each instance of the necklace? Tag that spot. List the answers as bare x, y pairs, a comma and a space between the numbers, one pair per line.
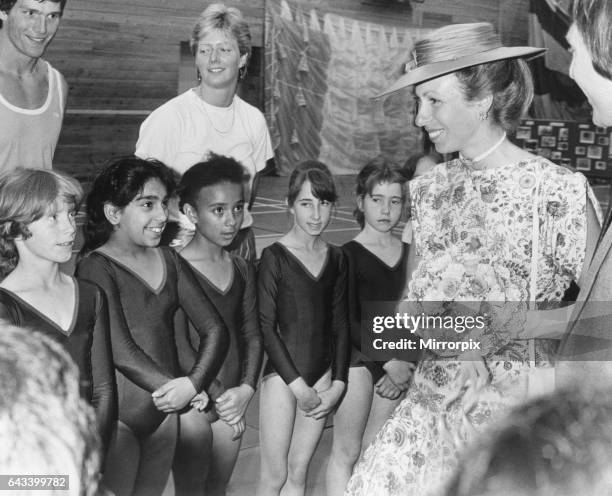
207, 112
485, 154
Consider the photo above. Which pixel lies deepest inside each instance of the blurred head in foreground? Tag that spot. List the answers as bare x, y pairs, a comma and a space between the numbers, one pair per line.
45, 426
557, 445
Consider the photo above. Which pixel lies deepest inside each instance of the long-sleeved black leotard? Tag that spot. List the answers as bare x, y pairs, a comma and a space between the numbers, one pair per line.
370, 279
87, 341
142, 332
303, 318
237, 305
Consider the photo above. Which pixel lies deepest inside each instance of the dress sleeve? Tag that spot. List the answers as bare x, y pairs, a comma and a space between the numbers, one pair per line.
340, 323
412, 229
565, 230
251, 346
267, 293
214, 337
128, 357
104, 387
159, 136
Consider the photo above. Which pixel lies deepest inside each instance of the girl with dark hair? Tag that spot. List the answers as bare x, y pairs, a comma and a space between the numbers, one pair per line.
303, 317
376, 273
211, 196
145, 285
37, 232
499, 228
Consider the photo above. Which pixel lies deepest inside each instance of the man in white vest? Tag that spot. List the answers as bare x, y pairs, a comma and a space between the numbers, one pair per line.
32, 93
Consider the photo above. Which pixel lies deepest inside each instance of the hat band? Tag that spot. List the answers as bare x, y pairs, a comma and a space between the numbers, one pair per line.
460, 43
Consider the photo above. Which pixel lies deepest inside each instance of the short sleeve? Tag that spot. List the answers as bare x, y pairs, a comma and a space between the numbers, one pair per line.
262, 145
159, 136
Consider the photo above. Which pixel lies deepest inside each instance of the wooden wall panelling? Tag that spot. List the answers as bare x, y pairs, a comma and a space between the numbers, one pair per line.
123, 55
88, 142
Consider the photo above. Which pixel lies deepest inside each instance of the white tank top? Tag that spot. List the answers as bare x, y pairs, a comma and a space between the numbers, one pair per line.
28, 136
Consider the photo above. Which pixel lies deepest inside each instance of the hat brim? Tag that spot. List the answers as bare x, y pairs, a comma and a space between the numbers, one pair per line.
437, 69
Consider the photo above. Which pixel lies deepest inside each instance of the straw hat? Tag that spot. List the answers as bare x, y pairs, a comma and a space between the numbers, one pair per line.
455, 47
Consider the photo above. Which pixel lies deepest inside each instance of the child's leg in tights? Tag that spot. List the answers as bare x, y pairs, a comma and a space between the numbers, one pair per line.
122, 461
306, 434
140, 466
156, 454
193, 454
276, 418
349, 425
223, 460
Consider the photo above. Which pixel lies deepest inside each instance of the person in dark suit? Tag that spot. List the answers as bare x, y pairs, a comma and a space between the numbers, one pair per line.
585, 351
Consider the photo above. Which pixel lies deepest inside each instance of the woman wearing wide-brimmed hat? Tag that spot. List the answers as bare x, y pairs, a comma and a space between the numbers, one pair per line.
498, 224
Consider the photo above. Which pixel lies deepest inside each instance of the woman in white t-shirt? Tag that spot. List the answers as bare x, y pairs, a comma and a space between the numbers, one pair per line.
211, 117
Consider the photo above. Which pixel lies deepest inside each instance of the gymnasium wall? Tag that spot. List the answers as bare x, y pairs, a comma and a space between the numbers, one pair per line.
121, 59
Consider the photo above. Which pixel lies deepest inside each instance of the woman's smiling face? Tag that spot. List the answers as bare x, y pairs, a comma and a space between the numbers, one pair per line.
444, 113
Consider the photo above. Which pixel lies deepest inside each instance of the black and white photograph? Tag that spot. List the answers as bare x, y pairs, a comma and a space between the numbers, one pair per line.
545, 130
523, 132
583, 164
548, 141
587, 137
237, 239
544, 152
594, 151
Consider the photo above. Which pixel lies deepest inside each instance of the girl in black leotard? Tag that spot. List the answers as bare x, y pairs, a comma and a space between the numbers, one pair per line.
212, 198
37, 231
303, 316
145, 285
377, 272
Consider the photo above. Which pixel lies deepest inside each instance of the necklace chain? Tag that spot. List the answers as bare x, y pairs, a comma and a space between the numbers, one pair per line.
211, 120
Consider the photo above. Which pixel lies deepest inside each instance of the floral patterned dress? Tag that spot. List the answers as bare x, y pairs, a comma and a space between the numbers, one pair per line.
474, 233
